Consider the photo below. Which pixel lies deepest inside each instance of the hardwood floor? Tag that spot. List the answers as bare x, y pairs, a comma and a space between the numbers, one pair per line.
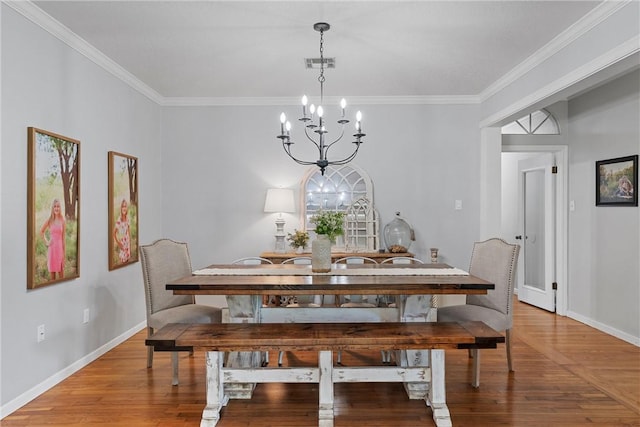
566, 374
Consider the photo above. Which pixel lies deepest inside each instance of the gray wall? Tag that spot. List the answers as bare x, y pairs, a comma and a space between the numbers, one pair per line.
50, 86
230, 165
604, 242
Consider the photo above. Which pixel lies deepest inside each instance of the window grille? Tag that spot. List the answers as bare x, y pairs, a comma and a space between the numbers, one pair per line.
539, 122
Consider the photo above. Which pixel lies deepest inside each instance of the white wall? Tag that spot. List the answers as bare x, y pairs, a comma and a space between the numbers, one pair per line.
604, 242
48, 85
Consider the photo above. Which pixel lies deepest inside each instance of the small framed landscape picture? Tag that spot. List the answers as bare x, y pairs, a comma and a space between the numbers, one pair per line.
616, 181
123, 210
53, 208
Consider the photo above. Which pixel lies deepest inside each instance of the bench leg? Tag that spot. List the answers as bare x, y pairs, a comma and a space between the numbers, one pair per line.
325, 412
436, 398
174, 367
216, 398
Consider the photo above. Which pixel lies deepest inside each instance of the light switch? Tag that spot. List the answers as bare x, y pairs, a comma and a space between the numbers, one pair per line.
572, 205
458, 205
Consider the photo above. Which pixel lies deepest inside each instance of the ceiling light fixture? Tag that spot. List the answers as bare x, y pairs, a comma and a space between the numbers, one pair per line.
314, 121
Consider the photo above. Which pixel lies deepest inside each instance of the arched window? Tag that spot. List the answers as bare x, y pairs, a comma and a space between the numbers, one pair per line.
347, 189
539, 122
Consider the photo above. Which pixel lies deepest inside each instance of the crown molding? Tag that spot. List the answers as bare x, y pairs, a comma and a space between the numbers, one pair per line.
39, 17
353, 100
623, 51
575, 31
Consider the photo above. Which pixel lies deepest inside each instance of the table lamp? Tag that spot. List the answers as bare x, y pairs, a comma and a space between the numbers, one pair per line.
279, 200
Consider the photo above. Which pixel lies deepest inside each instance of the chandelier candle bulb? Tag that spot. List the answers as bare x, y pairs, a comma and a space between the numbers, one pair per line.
343, 104
304, 106
283, 119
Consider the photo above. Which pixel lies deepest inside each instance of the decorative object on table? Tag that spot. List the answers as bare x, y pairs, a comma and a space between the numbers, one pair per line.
398, 235
123, 209
616, 180
434, 255
328, 225
361, 225
309, 118
298, 240
279, 200
53, 208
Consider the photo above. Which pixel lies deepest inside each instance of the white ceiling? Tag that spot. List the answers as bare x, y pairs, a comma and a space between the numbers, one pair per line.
257, 48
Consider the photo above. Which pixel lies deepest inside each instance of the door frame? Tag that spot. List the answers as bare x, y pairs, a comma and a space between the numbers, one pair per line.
561, 156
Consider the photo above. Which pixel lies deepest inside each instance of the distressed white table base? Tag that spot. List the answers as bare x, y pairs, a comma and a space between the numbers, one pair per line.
325, 375
411, 308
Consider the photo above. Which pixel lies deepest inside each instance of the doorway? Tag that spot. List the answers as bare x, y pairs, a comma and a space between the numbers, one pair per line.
542, 263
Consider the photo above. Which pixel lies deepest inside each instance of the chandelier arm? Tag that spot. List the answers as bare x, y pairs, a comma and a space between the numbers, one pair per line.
346, 159
287, 149
306, 132
338, 139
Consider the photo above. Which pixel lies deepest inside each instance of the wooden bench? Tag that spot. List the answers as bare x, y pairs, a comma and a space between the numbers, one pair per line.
325, 338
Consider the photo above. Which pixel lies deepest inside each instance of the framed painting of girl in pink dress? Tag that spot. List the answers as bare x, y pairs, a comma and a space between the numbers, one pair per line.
123, 210
53, 208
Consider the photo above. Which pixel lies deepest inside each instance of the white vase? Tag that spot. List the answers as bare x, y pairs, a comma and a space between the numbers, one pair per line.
321, 254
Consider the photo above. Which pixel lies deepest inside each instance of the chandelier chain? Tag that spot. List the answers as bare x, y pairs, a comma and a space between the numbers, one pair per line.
321, 78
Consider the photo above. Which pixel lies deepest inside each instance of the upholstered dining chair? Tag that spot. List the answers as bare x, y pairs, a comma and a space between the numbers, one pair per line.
496, 261
390, 301
300, 300
255, 260
358, 300
163, 261
354, 301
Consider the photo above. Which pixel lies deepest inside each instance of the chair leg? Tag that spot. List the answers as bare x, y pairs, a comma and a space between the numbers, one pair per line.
149, 350
508, 346
339, 361
174, 363
280, 356
476, 368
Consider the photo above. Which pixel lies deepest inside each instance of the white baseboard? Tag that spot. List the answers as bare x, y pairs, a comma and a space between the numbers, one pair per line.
36, 391
605, 328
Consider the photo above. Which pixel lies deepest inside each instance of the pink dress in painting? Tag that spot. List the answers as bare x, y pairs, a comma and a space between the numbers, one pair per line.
122, 228
55, 255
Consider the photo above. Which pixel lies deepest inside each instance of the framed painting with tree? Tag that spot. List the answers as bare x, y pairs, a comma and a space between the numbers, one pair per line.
123, 210
616, 180
53, 208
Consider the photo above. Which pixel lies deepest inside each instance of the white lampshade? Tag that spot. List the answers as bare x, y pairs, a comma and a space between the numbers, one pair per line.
279, 200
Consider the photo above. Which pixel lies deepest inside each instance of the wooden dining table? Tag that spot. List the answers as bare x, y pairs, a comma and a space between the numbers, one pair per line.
411, 285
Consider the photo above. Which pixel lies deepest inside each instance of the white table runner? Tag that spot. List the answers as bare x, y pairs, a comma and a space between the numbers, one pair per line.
305, 270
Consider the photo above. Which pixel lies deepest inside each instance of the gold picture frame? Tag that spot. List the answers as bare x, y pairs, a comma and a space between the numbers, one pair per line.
53, 208
123, 210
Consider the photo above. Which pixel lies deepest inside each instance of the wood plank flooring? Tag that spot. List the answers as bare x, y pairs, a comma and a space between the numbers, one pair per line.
566, 374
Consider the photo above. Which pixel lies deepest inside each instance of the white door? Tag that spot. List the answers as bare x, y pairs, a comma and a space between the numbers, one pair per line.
536, 212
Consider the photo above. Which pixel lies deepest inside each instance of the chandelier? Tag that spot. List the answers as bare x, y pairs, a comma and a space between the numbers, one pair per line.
314, 122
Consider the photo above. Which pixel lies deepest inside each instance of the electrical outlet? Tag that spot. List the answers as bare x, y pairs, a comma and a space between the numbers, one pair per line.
40, 333
86, 316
